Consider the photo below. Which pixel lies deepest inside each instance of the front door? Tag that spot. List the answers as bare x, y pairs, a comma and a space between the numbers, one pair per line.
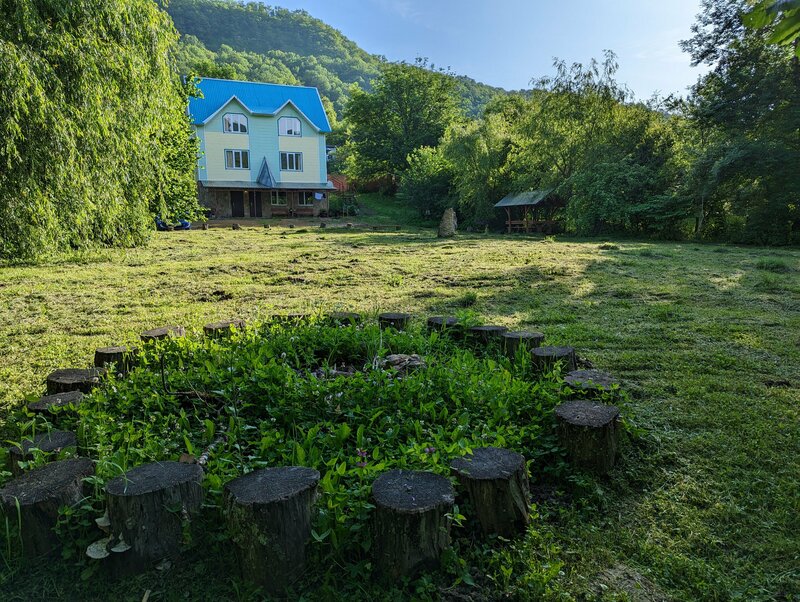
237, 203
255, 204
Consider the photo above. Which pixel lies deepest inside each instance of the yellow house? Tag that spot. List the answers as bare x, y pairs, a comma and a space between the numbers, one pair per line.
262, 149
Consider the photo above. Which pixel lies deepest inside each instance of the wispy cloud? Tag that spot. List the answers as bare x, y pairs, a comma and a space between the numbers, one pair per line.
405, 9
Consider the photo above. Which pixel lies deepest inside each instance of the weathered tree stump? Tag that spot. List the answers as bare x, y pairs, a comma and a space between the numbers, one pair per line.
157, 334
591, 381
411, 525
204, 226
51, 443
236, 227
292, 318
398, 321
120, 356
147, 506
73, 379
487, 333
590, 434
343, 318
442, 323
547, 357
217, 330
268, 513
517, 338
496, 481
47, 403
40, 493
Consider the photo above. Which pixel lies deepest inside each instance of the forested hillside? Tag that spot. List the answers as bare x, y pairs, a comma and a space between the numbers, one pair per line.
225, 38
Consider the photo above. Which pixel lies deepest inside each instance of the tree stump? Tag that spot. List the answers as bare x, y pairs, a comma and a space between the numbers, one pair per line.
591, 381
496, 481
51, 443
442, 323
590, 434
40, 493
516, 339
147, 506
398, 321
157, 334
268, 513
235, 227
73, 379
46, 404
487, 333
204, 226
547, 357
218, 330
343, 318
410, 521
120, 356
293, 318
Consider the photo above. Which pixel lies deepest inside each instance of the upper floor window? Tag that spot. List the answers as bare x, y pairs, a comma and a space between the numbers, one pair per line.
237, 159
291, 161
235, 123
289, 126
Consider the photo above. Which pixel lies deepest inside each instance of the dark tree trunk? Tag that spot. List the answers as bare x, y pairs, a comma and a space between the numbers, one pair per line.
48, 403
147, 507
73, 379
268, 513
545, 358
496, 481
120, 356
164, 332
51, 443
398, 321
590, 434
411, 522
217, 330
485, 334
40, 493
516, 339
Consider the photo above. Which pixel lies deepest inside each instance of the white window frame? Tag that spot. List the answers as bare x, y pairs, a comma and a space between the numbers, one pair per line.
277, 198
290, 126
294, 161
242, 155
234, 123
305, 199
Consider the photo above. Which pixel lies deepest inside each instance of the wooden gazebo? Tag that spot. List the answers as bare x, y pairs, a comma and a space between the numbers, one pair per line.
531, 211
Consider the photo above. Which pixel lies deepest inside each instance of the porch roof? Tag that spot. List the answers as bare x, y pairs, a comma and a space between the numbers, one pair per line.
522, 199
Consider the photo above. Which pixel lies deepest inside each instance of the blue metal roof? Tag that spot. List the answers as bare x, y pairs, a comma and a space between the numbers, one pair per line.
259, 98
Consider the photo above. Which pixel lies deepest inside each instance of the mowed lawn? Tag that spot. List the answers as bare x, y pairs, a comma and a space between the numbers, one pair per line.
706, 338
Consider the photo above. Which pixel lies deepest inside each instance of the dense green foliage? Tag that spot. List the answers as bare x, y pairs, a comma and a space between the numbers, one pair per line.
782, 16
273, 410
95, 139
257, 42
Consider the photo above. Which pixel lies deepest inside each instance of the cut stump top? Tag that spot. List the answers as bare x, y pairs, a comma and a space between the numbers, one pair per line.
394, 316
43, 483
590, 379
523, 335
46, 403
269, 485
155, 476
587, 413
412, 491
554, 352
489, 329
73, 379
47, 442
163, 333
442, 322
489, 463
224, 325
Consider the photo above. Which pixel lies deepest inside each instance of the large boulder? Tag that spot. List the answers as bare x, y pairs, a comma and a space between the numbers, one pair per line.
449, 224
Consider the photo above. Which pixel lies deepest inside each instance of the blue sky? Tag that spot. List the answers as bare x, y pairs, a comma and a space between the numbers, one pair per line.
508, 42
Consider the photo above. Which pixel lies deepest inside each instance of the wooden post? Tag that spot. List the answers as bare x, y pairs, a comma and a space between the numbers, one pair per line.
508, 219
157, 334
51, 443
31, 502
514, 340
147, 506
496, 481
411, 522
590, 433
592, 382
268, 513
485, 334
397, 321
223, 329
46, 404
73, 379
546, 358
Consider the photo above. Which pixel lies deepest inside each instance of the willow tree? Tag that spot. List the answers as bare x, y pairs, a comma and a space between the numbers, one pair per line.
94, 137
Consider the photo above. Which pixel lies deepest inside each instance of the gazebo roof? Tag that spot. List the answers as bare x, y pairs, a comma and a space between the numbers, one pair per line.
521, 199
